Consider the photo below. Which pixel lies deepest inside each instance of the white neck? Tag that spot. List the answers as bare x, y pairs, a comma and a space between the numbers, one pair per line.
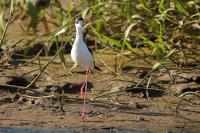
79, 32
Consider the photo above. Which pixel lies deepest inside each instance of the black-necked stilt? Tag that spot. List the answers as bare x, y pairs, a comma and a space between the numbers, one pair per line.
82, 56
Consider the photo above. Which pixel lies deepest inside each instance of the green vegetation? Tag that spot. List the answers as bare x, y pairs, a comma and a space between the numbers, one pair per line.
121, 24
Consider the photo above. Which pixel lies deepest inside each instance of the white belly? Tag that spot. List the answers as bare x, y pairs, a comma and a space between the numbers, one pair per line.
82, 56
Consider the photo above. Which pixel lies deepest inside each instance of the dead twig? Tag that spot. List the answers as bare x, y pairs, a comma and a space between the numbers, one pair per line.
107, 65
35, 58
132, 87
10, 20
170, 75
28, 72
123, 89
23, 88
13, 45
39, 97
42, 70
147, 87
181, 98
13, 86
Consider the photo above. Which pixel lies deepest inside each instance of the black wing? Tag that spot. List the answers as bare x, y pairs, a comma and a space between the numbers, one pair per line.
87, 46
92, 54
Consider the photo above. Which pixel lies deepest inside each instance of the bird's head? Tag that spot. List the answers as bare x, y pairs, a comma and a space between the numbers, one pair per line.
79, 21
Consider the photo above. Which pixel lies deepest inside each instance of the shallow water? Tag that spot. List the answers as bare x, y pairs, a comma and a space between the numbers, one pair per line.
83, 130
24, 130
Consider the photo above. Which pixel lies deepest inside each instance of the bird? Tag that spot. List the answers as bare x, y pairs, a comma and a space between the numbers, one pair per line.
82, 56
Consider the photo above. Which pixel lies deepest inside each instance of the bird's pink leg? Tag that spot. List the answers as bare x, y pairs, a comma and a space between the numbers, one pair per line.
84, 102
85, 94
82, 93
81, 90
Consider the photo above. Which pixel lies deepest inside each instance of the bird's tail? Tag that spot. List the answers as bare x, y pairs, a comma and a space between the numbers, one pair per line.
95, 67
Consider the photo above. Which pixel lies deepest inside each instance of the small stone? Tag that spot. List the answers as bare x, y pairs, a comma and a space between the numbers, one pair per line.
15, 97
30, 102
39, 101
140, 119
120, 86
169, 131
21, 99
46, 89
138, 106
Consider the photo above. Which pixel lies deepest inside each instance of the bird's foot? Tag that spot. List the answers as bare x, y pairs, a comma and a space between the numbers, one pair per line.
83, 115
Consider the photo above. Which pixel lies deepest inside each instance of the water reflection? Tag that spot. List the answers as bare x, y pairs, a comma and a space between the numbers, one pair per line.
82, 130
22, 130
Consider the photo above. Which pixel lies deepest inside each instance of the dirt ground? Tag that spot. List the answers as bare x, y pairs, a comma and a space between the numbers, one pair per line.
121, 110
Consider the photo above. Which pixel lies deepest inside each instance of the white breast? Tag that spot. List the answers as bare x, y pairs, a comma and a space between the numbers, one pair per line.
81, 55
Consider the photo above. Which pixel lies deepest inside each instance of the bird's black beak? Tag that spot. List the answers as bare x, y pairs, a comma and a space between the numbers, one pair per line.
79, 20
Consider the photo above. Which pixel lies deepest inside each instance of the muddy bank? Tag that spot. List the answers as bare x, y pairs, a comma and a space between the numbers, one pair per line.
126, 110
